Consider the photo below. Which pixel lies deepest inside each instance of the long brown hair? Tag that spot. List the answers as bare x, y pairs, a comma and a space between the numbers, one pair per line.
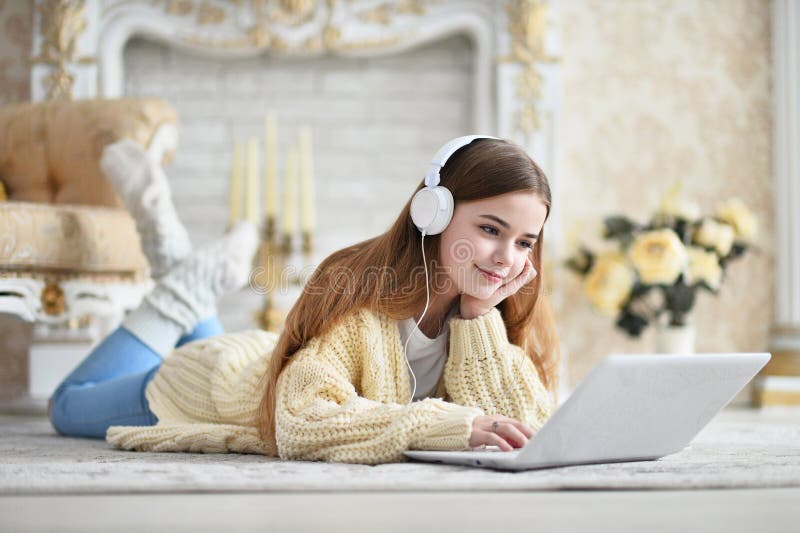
482, 169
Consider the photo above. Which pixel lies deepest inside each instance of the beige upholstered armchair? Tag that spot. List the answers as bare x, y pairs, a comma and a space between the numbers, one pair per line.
69, 251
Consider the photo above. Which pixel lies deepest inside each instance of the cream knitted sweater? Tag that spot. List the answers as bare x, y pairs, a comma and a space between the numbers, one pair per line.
343, 397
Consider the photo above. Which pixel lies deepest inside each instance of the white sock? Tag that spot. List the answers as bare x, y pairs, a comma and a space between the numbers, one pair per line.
153, 328
188, 293
143, 188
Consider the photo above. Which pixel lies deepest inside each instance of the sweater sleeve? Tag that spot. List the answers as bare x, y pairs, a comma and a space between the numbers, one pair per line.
484, 369
321, 416
188, 437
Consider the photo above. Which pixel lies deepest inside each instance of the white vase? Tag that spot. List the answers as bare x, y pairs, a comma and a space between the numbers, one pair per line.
675, 339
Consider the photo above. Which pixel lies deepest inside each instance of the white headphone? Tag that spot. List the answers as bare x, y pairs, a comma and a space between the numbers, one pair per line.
431, 210
432, 206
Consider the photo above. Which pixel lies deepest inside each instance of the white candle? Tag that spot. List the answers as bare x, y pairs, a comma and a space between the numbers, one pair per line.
290, 193
252, 181
306, 182
235, 211
271, 165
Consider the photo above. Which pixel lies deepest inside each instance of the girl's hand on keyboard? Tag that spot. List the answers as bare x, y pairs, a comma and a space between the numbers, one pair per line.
507, 433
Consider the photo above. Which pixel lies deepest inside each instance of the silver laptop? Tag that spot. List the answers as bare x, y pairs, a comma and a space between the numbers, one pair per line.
629, 408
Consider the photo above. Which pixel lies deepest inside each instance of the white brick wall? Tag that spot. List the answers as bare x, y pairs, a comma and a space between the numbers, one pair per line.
376, 123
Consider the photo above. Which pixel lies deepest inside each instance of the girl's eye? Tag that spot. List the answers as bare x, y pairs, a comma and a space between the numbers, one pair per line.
493, 231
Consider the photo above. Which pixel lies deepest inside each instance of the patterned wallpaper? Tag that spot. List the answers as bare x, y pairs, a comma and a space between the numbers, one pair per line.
15, 45
655, 91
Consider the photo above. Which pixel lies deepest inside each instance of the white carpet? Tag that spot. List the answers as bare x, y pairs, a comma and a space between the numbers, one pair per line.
739, 449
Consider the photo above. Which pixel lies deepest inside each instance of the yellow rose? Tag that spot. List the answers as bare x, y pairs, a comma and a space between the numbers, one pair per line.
659, 256
703, 266
609, 283
743, 221
712, 234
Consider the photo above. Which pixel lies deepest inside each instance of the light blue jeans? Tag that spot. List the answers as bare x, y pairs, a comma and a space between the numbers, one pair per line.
107, 388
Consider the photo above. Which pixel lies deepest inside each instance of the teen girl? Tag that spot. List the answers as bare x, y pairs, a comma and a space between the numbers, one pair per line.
433, 335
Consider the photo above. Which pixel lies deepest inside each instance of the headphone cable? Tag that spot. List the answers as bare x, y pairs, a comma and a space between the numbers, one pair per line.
416, 326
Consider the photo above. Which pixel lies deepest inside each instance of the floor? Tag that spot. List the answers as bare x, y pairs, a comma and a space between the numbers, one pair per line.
596, 511
730, 511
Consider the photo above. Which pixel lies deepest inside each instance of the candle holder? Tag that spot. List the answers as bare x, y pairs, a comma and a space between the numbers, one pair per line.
307, 243
270, 318
269, 229
273, 258
286, 246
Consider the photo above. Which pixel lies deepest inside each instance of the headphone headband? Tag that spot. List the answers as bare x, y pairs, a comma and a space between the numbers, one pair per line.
432, 177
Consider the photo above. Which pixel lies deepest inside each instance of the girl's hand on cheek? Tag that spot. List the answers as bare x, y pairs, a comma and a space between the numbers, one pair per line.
471, 307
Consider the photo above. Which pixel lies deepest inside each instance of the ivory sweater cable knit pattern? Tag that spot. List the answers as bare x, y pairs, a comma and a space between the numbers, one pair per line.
343, 397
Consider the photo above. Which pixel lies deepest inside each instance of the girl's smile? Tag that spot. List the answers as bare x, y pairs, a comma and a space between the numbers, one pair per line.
490, 275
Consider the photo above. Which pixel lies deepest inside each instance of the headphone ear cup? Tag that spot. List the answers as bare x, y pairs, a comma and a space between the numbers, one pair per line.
432, 209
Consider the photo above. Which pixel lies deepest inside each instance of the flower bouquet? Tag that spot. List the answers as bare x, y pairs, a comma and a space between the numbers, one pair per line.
658, 267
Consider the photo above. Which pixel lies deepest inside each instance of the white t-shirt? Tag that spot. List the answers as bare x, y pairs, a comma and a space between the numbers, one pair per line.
425, 356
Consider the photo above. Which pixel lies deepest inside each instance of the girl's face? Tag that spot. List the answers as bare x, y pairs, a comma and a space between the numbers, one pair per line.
494, 235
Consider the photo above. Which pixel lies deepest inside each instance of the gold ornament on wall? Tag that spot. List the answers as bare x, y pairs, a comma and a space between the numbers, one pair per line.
61, 24
527, 24
294, 12
52, 299
179, 7
298, 7
208, 14
269, 14
384, 14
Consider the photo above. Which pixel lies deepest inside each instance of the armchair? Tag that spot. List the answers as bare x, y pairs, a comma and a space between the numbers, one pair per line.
69, 252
